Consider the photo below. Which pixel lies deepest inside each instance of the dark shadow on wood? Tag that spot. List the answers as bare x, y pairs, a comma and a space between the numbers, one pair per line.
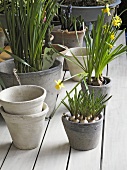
68, 158
102, 141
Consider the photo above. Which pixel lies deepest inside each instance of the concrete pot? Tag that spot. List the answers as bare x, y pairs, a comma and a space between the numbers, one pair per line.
23, 100
26, 130
43, 78
104, 89
80, 53
83, 136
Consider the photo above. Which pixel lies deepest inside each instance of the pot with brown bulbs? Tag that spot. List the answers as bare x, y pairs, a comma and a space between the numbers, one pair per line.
83, 122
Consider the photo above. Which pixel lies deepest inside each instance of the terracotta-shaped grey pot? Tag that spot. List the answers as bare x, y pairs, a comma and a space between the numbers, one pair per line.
68, 38
83, 136
26, 130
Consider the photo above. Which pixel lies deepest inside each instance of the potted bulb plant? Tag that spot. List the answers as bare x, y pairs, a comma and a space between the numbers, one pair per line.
27, 25
83, 122
71, 31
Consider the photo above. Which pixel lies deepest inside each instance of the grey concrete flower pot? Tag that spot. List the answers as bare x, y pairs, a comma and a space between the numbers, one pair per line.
44, 79
26, 130
83, 136
104, 89
89, 13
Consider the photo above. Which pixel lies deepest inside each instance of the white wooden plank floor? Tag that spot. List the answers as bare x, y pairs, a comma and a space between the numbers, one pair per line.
54, 152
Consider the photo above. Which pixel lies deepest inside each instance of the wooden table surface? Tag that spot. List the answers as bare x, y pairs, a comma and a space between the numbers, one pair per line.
54, 152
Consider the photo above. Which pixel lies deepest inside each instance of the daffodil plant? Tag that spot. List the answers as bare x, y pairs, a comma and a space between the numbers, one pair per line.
100, 47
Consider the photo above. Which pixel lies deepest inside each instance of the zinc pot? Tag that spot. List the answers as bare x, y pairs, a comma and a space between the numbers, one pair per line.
26, 130
23, 100
43, 78
80, 53
83, 136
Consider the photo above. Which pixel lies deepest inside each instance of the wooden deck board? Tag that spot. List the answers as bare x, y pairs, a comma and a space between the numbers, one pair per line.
115, 146
85, 160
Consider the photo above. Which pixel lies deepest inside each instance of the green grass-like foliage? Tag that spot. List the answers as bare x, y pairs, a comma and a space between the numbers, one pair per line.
85, 104
2, 5
27, 27
99, 44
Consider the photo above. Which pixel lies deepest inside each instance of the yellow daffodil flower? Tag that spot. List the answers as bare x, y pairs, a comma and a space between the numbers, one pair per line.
112, 36
117, 21
107, 10
59, 84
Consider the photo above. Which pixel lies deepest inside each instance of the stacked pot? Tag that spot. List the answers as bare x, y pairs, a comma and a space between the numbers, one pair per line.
24, 111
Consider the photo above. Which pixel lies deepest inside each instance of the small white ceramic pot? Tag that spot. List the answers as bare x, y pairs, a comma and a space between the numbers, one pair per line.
24, 99
26, 130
